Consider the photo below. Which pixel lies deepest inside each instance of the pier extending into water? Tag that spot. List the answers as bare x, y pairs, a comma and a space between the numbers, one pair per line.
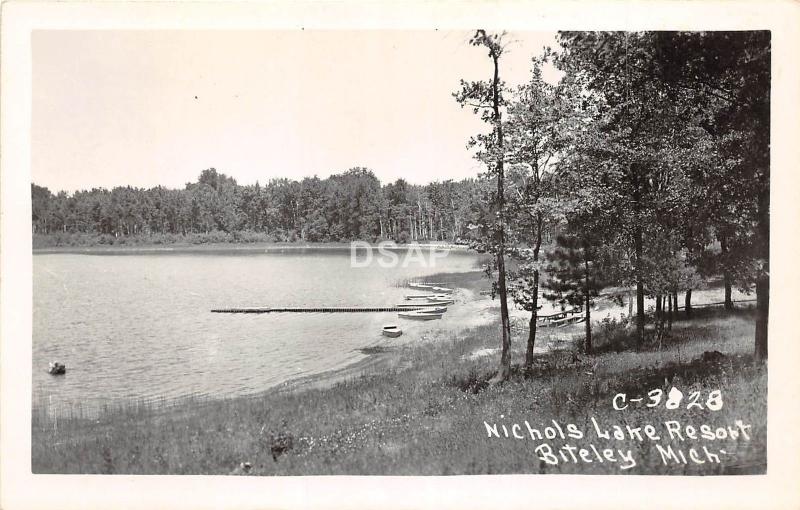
321, 309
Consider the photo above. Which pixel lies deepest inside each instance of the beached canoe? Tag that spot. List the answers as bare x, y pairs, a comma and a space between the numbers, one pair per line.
392, 331
423, 315
420, 286
419, 296
443, 290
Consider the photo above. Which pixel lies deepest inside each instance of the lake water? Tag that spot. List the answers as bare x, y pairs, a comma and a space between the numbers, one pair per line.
139, 327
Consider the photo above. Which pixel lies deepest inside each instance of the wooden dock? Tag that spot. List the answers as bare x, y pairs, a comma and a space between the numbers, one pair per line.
320, 309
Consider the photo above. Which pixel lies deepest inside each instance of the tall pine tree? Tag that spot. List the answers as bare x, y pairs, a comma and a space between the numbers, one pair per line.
575, 276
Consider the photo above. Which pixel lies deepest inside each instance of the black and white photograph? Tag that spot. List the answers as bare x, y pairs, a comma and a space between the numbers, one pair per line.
419, 252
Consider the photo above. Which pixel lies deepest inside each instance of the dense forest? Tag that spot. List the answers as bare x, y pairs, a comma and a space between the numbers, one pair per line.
648, 161
343, 207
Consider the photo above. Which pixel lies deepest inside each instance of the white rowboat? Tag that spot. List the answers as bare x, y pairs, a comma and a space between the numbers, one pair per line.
427, 307
392, 331
422, 315
441, 299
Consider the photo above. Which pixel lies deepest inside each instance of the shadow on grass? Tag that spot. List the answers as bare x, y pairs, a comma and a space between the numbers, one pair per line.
715, 312
375, 349
616, 337
712, 364
474, 382
565, 367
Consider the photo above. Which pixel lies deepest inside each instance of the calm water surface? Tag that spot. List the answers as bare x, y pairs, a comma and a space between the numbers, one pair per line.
133, 327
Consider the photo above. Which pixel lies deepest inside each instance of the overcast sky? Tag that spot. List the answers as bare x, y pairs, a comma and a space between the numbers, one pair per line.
157, 107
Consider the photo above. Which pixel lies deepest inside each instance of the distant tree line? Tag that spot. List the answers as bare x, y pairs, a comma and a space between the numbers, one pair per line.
349, 206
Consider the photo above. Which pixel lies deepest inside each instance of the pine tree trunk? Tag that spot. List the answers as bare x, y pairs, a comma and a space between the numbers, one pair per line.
659, 300
535, 311
587, 346
726, 274
640, 318
669, 311
728, 292
630, 304
687, 303
505, 356
762, 316
762, 282
532, 326
675, 304
588, 342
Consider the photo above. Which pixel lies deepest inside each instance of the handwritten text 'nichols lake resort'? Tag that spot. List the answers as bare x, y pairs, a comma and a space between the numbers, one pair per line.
555, 438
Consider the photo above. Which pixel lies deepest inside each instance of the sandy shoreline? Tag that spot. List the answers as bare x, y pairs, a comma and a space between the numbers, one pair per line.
471, 310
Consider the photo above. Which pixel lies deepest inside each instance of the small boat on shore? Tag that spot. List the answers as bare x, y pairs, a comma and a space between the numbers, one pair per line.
392, 331
419, 286
423, 315
419, 296
427, 307
443, 290
441, 299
